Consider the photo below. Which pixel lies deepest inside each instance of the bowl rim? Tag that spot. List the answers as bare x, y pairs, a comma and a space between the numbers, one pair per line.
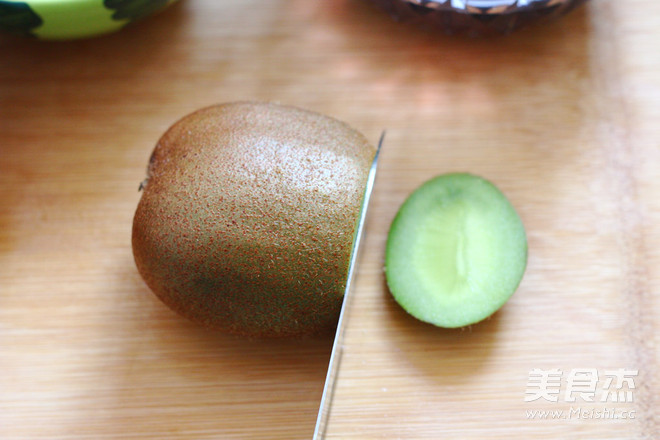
54, 3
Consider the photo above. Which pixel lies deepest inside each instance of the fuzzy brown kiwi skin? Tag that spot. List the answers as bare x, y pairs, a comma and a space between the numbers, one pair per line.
248, 215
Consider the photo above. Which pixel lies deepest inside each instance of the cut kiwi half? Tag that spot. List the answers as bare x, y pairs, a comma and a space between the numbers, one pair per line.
456, 251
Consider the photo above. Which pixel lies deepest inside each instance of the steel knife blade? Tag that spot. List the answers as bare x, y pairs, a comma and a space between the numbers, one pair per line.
337, 346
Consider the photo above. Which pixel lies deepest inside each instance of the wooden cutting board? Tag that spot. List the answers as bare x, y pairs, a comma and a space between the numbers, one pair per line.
563, 118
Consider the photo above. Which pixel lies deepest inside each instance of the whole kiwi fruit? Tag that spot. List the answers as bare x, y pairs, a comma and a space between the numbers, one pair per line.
248, 217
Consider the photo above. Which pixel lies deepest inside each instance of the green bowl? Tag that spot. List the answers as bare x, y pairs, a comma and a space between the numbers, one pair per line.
71, 19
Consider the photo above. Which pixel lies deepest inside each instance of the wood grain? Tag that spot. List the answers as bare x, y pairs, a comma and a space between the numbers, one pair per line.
562, 117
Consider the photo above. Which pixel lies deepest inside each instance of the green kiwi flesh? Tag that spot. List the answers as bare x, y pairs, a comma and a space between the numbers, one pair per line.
456, 251
248, 216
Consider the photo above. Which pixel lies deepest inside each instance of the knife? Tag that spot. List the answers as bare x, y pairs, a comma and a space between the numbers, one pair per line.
337, 348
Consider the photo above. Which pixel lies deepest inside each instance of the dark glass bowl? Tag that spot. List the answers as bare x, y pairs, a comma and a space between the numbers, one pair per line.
476, 17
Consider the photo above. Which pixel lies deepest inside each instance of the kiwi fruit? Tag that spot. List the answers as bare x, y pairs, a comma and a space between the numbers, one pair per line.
456, 251
248, 216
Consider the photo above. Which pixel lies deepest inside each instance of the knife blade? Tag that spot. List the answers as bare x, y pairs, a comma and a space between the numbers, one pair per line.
337, 347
